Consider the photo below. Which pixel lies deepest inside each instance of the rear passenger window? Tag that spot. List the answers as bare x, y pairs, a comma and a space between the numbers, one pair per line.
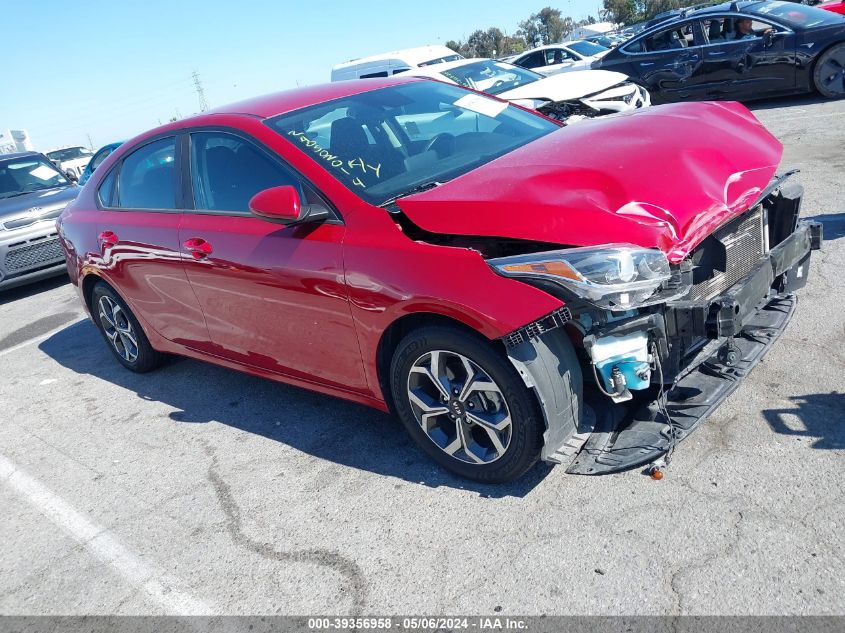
227, 171
147, 177
674, 38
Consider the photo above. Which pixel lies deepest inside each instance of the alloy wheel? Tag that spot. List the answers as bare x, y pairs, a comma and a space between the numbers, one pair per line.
459, 407
832, 72
118, 329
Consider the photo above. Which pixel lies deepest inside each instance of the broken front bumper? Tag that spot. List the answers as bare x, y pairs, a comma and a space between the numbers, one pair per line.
740, 326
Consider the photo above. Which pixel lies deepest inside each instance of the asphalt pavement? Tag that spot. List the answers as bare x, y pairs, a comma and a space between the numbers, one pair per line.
196, 489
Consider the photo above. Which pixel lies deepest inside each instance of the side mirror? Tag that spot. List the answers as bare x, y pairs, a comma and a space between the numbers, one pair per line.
282, 205
70, 175
769, 37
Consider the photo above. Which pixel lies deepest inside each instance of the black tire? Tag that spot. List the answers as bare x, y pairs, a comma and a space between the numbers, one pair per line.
526, 428
139, 358
829, 72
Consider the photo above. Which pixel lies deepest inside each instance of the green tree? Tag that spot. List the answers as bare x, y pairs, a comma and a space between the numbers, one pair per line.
632, 11
490, 43
455, 45
547, 26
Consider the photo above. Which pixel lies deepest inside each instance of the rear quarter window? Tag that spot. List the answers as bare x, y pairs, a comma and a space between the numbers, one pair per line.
105, 192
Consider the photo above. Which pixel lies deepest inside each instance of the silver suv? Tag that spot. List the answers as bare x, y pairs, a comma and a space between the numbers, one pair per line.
32, 195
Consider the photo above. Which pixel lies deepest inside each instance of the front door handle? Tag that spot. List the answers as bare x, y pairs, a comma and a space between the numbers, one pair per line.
108, 238
198, 247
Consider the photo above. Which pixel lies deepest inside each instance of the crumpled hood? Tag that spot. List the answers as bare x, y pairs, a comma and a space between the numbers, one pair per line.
45, 201
663, 177
566, 86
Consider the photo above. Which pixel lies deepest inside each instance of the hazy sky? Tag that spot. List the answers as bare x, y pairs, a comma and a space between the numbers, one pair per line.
114, 68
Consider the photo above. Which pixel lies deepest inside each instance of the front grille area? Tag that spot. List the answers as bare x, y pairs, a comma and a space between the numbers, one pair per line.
27, 220
728, 255
34, 253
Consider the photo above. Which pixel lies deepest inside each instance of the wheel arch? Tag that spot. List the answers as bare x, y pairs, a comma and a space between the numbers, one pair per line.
400, 328
88, 282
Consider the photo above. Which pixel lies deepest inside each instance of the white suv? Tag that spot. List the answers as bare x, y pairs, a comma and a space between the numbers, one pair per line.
71, 159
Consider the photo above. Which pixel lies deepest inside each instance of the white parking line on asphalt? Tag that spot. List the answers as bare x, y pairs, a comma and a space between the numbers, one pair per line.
38, 339
158, 585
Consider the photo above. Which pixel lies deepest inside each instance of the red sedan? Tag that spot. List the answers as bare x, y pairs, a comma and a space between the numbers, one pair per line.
510, 288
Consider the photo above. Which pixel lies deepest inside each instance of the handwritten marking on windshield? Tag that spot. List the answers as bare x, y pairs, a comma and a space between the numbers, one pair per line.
336, 162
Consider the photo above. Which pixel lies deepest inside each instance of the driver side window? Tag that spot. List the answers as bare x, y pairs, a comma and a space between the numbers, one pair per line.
227, 171
534, 60
557, 56
674, 38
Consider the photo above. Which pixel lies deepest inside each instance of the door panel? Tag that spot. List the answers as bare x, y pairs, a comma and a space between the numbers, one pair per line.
275, 296
671, 74
138, 235
745, 68
143, 256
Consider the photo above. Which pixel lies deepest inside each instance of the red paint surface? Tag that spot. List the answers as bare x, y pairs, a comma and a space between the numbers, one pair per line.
837, 7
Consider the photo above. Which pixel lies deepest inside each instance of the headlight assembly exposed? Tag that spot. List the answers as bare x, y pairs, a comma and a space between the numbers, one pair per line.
612, 277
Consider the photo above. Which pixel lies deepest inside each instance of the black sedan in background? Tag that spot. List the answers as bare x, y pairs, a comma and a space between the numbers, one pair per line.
739, 51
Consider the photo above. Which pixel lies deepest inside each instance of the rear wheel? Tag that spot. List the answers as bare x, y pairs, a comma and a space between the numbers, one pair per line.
465, 405
829, 74
121, 331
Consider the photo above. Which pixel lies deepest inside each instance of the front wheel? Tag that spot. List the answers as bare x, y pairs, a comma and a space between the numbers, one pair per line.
829, 74
465, 405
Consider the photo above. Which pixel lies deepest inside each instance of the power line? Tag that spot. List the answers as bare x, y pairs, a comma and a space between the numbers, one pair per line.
200, 93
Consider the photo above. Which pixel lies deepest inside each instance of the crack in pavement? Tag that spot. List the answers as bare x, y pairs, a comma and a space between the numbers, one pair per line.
721, 553
329, 559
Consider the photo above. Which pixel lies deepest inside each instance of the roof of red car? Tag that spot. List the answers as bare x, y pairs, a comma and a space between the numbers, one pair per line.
279, 102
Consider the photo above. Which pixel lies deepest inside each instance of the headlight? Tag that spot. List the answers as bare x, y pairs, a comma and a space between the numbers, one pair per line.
531, 103
612, 277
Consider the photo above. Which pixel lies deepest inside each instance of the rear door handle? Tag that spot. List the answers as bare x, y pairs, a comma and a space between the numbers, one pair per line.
108, 238
198, 247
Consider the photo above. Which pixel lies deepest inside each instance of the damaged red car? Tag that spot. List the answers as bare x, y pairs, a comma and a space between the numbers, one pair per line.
510, 288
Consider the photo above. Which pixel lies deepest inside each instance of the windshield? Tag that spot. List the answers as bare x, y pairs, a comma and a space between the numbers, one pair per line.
798, 15
31, 173
587, 49
491, 76
383, 143
68, 154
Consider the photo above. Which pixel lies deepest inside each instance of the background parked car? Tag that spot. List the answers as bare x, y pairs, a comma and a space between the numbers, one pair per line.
792, 48
565, 96
33, 192
558, 58
71, 160
99, 156
393, 63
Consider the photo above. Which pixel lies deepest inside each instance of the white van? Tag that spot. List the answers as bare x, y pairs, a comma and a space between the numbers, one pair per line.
393, 63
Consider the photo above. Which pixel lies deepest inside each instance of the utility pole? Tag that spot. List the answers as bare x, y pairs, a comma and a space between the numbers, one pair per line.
200, 93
